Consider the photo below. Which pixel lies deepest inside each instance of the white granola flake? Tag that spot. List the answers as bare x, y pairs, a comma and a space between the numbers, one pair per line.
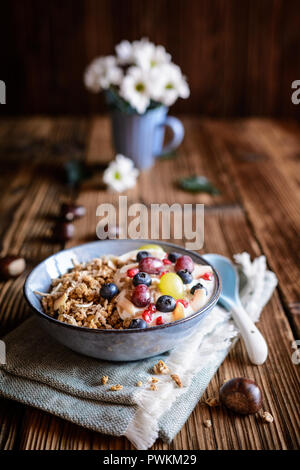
74, 298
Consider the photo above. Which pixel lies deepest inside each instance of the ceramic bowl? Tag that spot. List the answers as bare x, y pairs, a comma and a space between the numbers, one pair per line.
111, 345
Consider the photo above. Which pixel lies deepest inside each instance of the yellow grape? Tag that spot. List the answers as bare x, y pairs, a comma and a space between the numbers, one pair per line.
151, 247
171, 284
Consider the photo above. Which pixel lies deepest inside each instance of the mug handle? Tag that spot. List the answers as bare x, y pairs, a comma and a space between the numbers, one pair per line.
177, 128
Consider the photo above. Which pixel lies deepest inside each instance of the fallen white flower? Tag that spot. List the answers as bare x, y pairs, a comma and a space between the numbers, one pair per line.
120, 175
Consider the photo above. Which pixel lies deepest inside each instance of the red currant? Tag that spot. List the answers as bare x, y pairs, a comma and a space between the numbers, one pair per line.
167, 261
207, 276
132, 272
150, 265
159, 320
147, 316
141, 296
184, 262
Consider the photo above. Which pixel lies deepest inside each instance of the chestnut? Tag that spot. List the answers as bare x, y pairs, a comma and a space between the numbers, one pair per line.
70, 212
63, 231
11, 266
241, 395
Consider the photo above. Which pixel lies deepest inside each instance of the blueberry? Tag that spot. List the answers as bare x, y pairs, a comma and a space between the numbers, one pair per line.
142, 278
141, 255
137, 323
186, 277
165, 303
173, 257
198, 286
108, 291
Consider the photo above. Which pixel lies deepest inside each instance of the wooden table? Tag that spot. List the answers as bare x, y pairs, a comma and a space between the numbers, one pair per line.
255, 165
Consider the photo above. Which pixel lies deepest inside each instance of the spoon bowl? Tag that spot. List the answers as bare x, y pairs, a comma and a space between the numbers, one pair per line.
229, 276
230, 299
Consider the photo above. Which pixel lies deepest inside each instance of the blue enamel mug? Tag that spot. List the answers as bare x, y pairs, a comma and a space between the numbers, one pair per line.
141, 136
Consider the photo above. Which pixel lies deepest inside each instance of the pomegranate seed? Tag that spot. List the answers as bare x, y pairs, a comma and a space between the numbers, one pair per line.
164, 272
147, 316
159, 321
207, 276
132, 272
167, 261
152, 308
183, 302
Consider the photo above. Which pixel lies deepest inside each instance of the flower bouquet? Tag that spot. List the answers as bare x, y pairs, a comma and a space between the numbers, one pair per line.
140, 83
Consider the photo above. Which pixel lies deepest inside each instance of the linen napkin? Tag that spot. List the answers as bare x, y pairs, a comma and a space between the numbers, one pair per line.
41, 373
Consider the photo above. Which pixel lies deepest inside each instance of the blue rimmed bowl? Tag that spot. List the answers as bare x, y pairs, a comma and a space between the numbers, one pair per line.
111, 345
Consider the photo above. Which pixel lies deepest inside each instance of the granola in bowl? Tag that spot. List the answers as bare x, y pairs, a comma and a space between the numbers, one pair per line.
139, 289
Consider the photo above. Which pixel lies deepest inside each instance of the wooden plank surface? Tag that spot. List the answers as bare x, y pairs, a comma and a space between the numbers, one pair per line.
263, 161
31, 198
240, 57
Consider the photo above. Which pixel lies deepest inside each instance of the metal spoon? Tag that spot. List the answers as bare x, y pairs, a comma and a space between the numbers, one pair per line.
254, 341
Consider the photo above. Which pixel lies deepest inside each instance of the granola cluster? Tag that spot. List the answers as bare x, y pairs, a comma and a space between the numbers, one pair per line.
74, 298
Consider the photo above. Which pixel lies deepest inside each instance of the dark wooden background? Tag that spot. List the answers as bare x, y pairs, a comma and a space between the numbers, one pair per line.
240, 55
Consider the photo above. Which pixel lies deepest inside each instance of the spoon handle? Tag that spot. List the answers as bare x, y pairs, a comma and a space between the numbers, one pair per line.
254, 341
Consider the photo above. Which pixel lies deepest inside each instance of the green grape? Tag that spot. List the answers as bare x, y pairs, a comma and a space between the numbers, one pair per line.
171, 284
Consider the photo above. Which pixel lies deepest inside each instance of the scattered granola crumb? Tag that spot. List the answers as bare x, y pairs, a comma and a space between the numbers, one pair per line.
139, 383
154, 380
104, 379
153, 387
212, 401
177, 380
267, 417
207, 423
160, 368
115, 388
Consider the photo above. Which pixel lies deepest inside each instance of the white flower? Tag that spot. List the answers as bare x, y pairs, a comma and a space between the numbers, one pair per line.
168, 84
140, 72
124, 52
120, 175
146, 55
136, 88
101, 73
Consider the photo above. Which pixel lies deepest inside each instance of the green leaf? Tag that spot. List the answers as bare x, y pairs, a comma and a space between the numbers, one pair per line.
75, 172
168, 156
197, 184
115, 101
